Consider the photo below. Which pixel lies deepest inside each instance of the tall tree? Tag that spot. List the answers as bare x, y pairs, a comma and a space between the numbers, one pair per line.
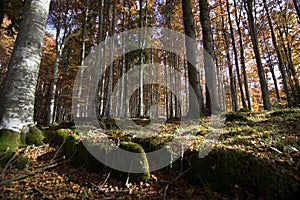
232, 78
297, 7
193, 74
17, 97
236, 61
279, 55
242, 55
61, 16
253, 33
208, 44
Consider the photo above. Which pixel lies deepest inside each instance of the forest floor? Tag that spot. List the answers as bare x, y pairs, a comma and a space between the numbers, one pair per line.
273, 136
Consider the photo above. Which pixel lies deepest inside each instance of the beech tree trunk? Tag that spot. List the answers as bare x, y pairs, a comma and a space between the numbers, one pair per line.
193, 74
254, 39
17, 97
209, 66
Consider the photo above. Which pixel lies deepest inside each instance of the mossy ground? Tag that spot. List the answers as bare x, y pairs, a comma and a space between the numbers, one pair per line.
256, 157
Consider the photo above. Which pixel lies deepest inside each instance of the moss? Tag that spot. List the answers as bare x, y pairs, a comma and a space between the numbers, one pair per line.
9, 140
18, 162
71, 145
227, 170
35, 136
142, 162
60, 136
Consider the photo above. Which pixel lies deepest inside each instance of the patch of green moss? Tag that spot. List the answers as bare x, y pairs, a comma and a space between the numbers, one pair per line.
142, 161
228, 171
60, 136
9, 140
35, 136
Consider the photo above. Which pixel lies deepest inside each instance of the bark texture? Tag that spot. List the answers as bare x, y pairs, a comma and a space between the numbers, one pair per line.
17, 97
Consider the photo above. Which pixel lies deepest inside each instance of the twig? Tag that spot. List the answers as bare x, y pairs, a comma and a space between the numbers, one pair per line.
2, 183
9, 162
108, 175
175, 179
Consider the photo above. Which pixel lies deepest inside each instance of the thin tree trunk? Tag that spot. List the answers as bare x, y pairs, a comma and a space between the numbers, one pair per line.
111, 68
279, 56
271, 66
261, 74
242, 54
297, 7
234, 99
235, 56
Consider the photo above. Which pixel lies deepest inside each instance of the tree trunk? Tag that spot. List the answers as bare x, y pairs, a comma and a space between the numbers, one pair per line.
17, 97
235, 56
193, 74
279, 56
297, 7
261, 73
209, 66
234, 99
242, 54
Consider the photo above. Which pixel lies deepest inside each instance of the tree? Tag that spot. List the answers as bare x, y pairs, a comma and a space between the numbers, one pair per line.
193, 74
17, 97
297, 7
242, 56
253, 33
210, 74
235, 55
279, 55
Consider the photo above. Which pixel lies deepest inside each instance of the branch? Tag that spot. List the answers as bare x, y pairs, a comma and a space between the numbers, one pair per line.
2, 183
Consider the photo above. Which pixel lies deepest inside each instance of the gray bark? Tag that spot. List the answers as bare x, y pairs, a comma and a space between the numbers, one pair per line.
209, 66
17, 97
193, 74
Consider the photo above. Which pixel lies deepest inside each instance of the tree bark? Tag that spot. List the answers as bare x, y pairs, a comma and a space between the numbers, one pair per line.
17, 98
242, 54
209, 66
235, 56
279, 56
193, 74
261, 73
297, 7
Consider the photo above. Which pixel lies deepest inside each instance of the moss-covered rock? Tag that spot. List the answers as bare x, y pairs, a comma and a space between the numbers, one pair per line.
141, 161
35, 136
9, 140
228, 171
